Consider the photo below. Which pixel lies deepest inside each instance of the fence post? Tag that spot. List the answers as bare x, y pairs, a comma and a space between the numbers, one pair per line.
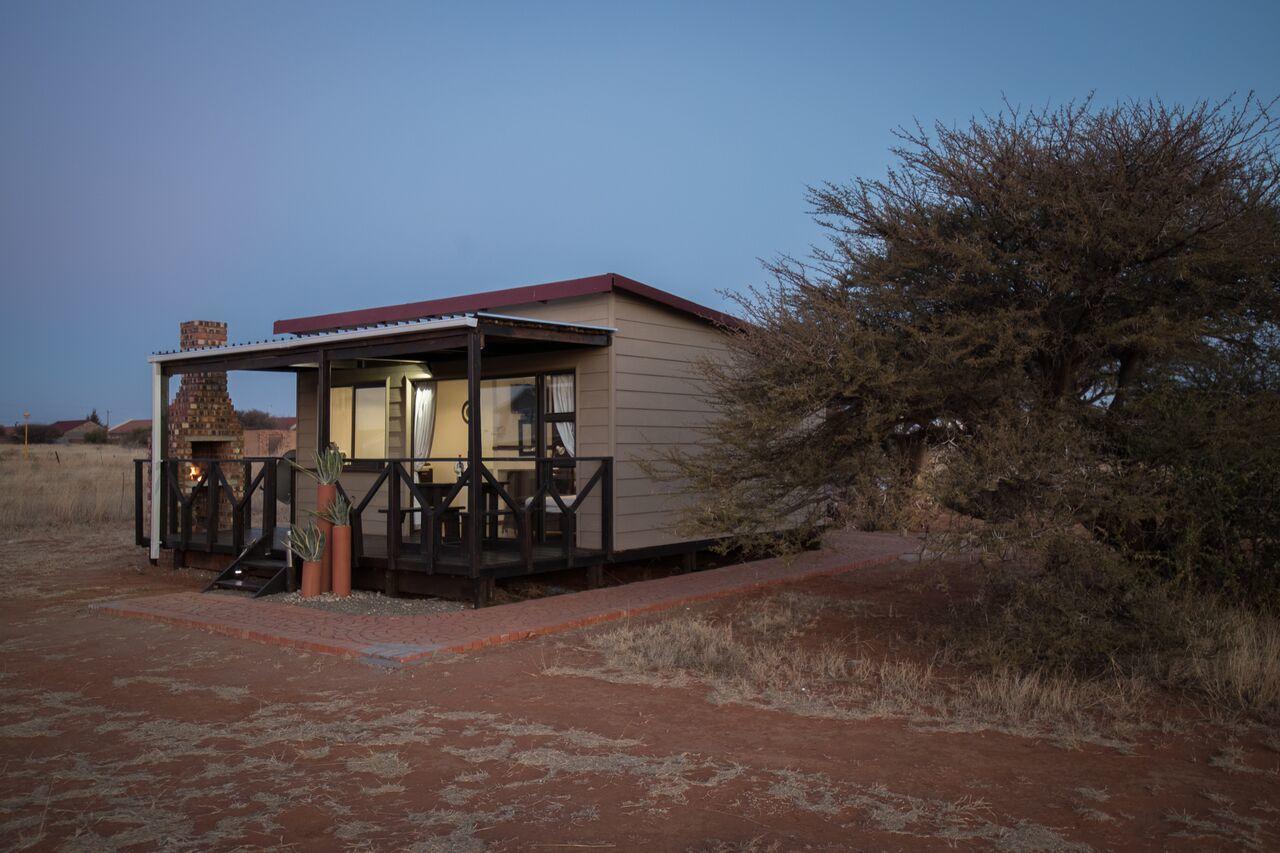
137, 502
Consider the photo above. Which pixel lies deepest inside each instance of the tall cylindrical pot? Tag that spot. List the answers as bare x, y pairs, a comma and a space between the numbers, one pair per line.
342, 560
325, 494
310, 579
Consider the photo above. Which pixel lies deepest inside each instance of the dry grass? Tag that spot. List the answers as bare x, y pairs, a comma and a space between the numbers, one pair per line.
756, 655
1233, 660
89, 485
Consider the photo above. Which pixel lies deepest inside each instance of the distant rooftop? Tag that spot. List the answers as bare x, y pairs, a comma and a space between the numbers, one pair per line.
130, 426
64, 427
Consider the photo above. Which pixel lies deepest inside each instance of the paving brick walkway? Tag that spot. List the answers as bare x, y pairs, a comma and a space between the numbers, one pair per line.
403, 639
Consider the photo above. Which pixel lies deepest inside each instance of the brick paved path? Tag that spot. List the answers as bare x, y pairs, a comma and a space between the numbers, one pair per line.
402, 639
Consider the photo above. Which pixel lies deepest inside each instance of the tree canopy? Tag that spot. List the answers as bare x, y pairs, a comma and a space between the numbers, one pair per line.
1032, 320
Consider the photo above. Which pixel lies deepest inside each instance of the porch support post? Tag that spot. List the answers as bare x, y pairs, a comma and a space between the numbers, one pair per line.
322, 402
159, 430
476, 531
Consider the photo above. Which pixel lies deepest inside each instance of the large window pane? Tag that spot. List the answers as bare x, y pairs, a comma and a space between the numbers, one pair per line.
340, 405
509, 416
371, 423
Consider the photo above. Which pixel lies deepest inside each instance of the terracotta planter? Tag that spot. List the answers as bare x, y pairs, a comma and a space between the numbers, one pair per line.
342, 560
310, 579
324, 496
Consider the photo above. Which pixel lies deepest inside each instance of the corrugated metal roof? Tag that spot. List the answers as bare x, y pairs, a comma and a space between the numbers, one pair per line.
494, 299
374, 330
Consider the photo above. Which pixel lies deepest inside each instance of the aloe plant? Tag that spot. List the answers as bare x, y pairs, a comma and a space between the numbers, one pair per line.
328, 466
307, 542
337, 513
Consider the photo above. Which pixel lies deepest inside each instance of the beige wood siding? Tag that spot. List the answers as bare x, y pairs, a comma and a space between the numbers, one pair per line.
659, 404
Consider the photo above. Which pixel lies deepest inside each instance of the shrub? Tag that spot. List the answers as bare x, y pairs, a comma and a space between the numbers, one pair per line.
1086, 610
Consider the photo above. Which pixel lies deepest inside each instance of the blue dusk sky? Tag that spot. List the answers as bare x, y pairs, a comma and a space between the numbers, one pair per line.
252, 161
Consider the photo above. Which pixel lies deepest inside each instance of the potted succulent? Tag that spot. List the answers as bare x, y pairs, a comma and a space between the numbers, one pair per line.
308, 543
328, 470
338, 516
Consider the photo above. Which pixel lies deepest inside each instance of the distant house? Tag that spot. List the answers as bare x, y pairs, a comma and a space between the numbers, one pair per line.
287, 423
74, 432
122, 433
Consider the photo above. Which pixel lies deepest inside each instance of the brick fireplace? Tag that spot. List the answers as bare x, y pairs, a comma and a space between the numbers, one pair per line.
202, 420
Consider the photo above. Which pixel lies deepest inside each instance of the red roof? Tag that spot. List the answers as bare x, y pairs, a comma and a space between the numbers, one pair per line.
286, 423
130, 426
494, 299
64, 427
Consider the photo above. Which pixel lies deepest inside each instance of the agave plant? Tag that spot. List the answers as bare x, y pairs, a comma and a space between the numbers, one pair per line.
307, 542
337, 513
328, 466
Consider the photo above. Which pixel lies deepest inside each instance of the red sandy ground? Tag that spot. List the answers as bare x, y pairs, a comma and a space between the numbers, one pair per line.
117, 733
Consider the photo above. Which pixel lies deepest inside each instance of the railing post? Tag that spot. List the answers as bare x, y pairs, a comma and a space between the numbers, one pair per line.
606, 508
188, 521
430, 537
567, 525
237, 514
268, 504
475, 480
212, 498
526, 534
393, 529
246, 497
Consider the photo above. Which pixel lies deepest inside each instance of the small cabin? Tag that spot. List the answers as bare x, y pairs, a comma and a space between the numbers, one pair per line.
485, 436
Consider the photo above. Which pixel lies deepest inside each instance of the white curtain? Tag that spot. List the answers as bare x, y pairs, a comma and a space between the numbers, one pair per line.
561, 402
424, 417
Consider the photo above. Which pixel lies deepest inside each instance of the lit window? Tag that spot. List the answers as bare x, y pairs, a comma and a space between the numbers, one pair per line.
358, 421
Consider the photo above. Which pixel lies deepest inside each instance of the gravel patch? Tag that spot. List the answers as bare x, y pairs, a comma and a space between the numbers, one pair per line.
365, 603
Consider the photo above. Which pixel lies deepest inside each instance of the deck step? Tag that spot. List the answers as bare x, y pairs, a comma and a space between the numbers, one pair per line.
259, 575
261, 565
242, 584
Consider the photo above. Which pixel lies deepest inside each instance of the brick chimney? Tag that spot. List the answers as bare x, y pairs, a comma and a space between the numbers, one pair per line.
202, 420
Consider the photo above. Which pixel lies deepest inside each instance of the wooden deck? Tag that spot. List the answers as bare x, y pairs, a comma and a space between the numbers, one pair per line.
498, 558
223, 540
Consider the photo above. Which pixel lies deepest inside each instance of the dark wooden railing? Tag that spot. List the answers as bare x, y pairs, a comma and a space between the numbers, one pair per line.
218, 484
526, 512
210, 485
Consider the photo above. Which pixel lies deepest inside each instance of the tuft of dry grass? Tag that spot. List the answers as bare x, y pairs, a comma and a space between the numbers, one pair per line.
757, 655
88, 485
1233, 659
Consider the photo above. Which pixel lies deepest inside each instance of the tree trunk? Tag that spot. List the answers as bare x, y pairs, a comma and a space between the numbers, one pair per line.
1130, 363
